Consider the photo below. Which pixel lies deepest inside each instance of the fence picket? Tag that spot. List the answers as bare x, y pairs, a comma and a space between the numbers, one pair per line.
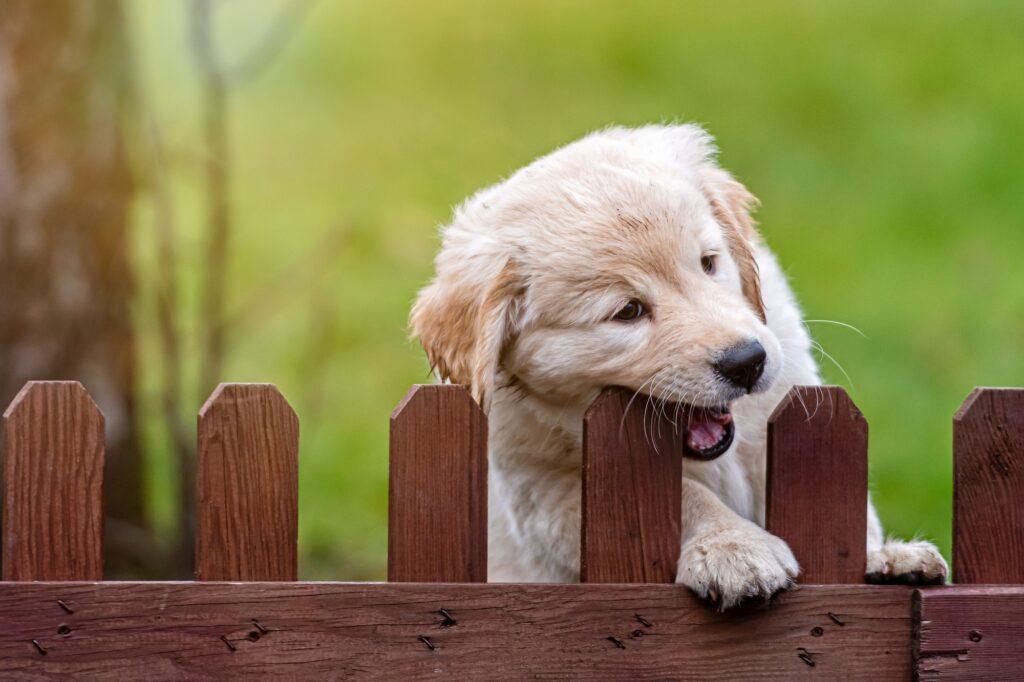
817, 482
53, 484
247, 477
437, 501
988, 487
632, 487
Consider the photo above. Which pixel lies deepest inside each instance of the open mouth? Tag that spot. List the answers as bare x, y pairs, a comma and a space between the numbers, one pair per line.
709, 432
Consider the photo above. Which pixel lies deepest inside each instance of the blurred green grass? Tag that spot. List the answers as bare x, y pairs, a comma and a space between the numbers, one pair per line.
885, 141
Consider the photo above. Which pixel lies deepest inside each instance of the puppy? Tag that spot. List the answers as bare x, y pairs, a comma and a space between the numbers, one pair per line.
627, 258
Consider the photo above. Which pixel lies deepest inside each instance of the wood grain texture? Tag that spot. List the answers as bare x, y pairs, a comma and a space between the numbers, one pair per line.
437, 500
248, 485
970, 633
53, 484
988, 487
817, 483
394, 631
632, 487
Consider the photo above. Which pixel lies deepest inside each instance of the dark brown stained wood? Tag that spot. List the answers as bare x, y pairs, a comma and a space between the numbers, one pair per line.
437, 500
988, 487
53, 484
248, 485
970, 633
396, 631
817, 483
632, 487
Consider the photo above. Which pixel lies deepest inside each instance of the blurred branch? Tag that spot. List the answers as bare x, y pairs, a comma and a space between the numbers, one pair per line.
309, 267
216, 82
270, 45
154, 173
264, 51
321, 336
218, 217
170, 344
67, 274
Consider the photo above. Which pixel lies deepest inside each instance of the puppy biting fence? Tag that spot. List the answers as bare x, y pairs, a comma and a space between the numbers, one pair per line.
246, 615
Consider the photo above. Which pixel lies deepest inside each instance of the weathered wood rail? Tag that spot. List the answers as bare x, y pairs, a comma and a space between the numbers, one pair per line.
247, 616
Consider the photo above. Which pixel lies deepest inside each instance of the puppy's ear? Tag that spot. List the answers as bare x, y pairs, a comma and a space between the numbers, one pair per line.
732, 204
464, 327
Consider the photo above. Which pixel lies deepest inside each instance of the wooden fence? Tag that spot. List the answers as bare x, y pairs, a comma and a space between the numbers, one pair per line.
247, 616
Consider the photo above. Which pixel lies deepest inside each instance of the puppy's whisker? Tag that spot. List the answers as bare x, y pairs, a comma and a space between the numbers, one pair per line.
647, 405
652, 402
817, 346
659, 400
807, 413
838, 323
669, 392
622, 422
680, 397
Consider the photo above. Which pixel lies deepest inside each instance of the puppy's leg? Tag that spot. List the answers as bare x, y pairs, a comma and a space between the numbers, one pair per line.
725, 557
906, 562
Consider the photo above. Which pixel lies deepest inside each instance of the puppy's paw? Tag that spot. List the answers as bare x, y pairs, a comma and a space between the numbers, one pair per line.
907, 562
736, 563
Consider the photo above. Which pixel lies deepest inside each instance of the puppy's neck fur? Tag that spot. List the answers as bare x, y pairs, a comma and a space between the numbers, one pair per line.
533, 428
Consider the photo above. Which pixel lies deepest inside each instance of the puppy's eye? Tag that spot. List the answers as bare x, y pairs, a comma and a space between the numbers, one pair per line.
709, 263
631, 311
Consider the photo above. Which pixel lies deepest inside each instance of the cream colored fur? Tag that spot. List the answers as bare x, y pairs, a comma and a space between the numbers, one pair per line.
528, 280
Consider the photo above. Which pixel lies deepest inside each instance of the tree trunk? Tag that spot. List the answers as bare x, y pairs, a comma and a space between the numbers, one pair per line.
66, 282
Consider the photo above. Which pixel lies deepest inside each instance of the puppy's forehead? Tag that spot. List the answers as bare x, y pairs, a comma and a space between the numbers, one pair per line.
611, 212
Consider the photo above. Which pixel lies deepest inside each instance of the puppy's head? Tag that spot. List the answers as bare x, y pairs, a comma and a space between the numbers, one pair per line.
626, 258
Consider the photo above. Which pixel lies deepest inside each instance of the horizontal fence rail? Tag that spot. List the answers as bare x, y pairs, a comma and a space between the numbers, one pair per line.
433, 619
452, 631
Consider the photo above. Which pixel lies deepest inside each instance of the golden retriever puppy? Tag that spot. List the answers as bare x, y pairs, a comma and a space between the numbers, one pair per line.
627, 258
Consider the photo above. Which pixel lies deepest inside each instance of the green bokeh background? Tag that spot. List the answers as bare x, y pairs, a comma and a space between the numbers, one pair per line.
886, 141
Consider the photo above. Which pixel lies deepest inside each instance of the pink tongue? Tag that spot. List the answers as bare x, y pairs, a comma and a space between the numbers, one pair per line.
704, 434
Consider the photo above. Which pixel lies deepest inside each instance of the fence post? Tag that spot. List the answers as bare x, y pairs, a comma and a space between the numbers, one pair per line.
817, 483
247, 477
632, 488
988, 487
437, 499
53, 484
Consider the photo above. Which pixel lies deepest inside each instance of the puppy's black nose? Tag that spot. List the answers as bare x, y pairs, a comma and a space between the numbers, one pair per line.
742, 365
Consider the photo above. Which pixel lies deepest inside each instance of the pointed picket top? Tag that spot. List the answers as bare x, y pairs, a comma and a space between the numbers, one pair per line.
437, 498
247, 479
988, 487
423, 393
53, 484
816, 404
816, 495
